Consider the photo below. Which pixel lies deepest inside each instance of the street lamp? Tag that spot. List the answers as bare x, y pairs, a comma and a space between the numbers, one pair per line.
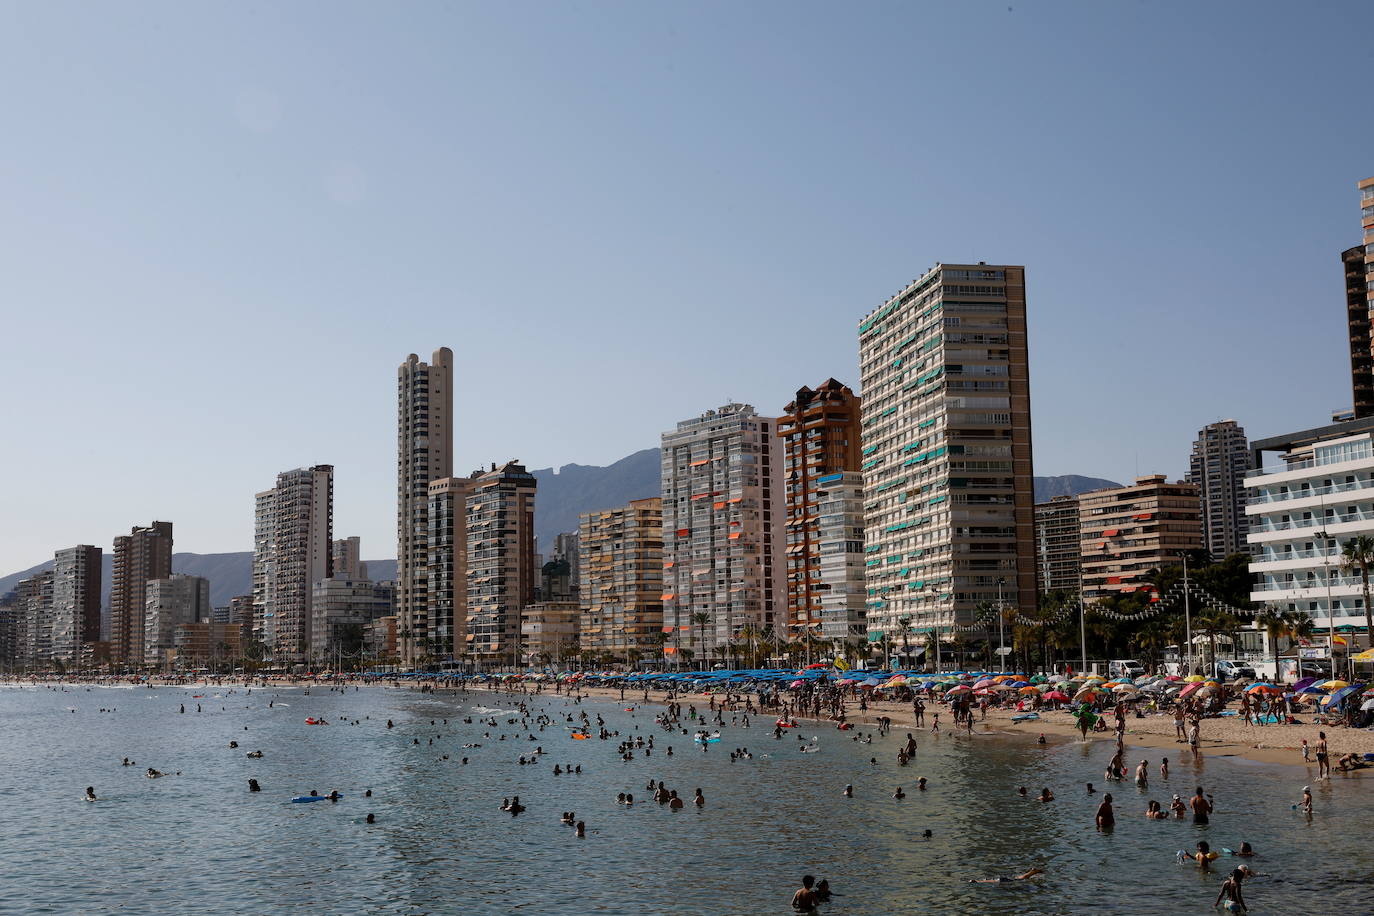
1188, 618
1330, 610
1001, 629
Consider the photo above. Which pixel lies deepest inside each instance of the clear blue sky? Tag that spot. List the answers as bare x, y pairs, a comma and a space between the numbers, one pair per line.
226, 224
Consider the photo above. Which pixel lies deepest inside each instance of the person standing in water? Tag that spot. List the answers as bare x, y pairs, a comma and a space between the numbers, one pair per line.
1202, 807
1106, 819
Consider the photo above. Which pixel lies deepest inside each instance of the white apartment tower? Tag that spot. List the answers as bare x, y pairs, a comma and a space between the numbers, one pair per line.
948, 496
292, 548
723, 529
424, 453
1221, 455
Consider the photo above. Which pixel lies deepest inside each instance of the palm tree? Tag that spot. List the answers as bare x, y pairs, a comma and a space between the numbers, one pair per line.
750, 634
1214, 623
1276, 625
904, 625
700, 619
1358, 554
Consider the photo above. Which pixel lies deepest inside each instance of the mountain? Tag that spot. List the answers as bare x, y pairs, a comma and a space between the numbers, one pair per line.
567, 492
230, 574
1047, 488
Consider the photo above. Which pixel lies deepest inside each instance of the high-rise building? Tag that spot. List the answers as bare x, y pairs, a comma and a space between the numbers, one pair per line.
10, 616
340, 610
75, 601
446, 618
1127, 532
501, 569
1303, 510
820, 435
949, 522
1221, 455
723, 523
141, 555
621, 588
1357, 321
424, 453
549, 631
171, 602
292, 550
348, 559
34, 624
839, 537
1058, 547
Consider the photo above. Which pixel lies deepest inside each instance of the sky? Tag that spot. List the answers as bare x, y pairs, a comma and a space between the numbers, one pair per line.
228, 223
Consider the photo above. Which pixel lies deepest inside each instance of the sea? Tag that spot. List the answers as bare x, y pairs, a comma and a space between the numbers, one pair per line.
197, 841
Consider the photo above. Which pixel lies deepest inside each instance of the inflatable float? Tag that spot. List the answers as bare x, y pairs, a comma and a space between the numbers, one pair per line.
314, 721
312, 798
1025, 717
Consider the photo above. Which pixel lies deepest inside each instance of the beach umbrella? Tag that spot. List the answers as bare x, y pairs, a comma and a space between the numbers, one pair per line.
985, 682
1367, 705
1334, 685
1195, 679
1189, 690
1124, 689
1039, 679
1264, 688
1028, 689
1057, 695
1366, 656
961, 688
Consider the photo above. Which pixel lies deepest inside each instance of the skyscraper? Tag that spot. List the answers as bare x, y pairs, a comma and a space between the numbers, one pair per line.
949, 519
501, 561
142, 554
34, 625
621, 590
171, 602
75, 601
1220, 457
820, 434
723, 529
292, 547
446, 622
424, 453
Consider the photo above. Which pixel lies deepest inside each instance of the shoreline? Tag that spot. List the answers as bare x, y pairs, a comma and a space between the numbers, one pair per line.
1221, 737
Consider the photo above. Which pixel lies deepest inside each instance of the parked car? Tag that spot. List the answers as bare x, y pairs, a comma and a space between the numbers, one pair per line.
1229, 669
1313, 669
1125, 667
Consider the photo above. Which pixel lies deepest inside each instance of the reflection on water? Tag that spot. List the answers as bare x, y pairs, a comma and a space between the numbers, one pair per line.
200, 841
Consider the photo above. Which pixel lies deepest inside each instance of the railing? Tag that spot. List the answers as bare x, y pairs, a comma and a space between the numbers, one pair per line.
1294, 555
1312, 491
1296, 584
1315, 522
1281, 468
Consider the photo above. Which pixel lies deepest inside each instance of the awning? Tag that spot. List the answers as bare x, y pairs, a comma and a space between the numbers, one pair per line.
697, 464
667, 596
718, 505
735, 534
1111, 532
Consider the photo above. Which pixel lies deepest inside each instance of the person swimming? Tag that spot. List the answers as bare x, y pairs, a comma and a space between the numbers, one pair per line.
899, 793
849, 791
253, 786
371, 818
1002, 879
1046, 795
90, 793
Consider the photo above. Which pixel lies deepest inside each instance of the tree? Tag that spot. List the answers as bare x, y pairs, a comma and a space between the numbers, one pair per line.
1215, 623
699, 620
1276, 625
1358, 554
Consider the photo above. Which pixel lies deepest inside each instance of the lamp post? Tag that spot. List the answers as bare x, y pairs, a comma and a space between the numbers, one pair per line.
1001, 629
1187, 617
1330, 611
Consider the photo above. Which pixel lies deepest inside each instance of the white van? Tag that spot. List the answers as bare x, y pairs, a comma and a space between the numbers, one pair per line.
1125, 667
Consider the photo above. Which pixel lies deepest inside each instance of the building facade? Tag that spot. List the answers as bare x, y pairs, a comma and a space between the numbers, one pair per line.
209, 640
723, 524
1303, 508
424, 453
292, 550
33, 625
241, 611
1221, 456
169, 603
949, 522
567, 547
139, 556
820, 435
348, 559
621, 587
1127, 532
446, 617
75, 602
341, 609
501, 574
1058, 547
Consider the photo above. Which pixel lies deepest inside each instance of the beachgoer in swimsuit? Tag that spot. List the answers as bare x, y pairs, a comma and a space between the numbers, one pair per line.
1202, 808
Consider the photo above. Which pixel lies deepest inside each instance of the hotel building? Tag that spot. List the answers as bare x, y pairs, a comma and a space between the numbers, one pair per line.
621, 589
501, 573
292, 548
446, 618
1127, 532
1058, 547
1221, 455
141, 555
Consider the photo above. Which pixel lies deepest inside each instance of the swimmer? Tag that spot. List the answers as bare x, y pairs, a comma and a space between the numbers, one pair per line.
849, 791
90, 793
1046, 795
675, 803
152, 773
371, 818
1021, 791
1091, 790
367, 794
1025, 875
1230, 897
1041, 739
921, 784
1155, 811
699, 800
1105, 818
1178, 808
581, 830
899, 793
333, 795
253, 786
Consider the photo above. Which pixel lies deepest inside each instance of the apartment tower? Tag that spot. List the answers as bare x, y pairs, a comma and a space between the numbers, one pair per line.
446, 623
424, 453
292, 550
501, 569
949, 503
1357, 321
348, 559
171, 602
33, 634
140, 555
1127, 532
1220, 457
75, 601
621, 588
723, 529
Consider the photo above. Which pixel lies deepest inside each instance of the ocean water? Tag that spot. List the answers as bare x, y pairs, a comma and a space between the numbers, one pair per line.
200, 842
